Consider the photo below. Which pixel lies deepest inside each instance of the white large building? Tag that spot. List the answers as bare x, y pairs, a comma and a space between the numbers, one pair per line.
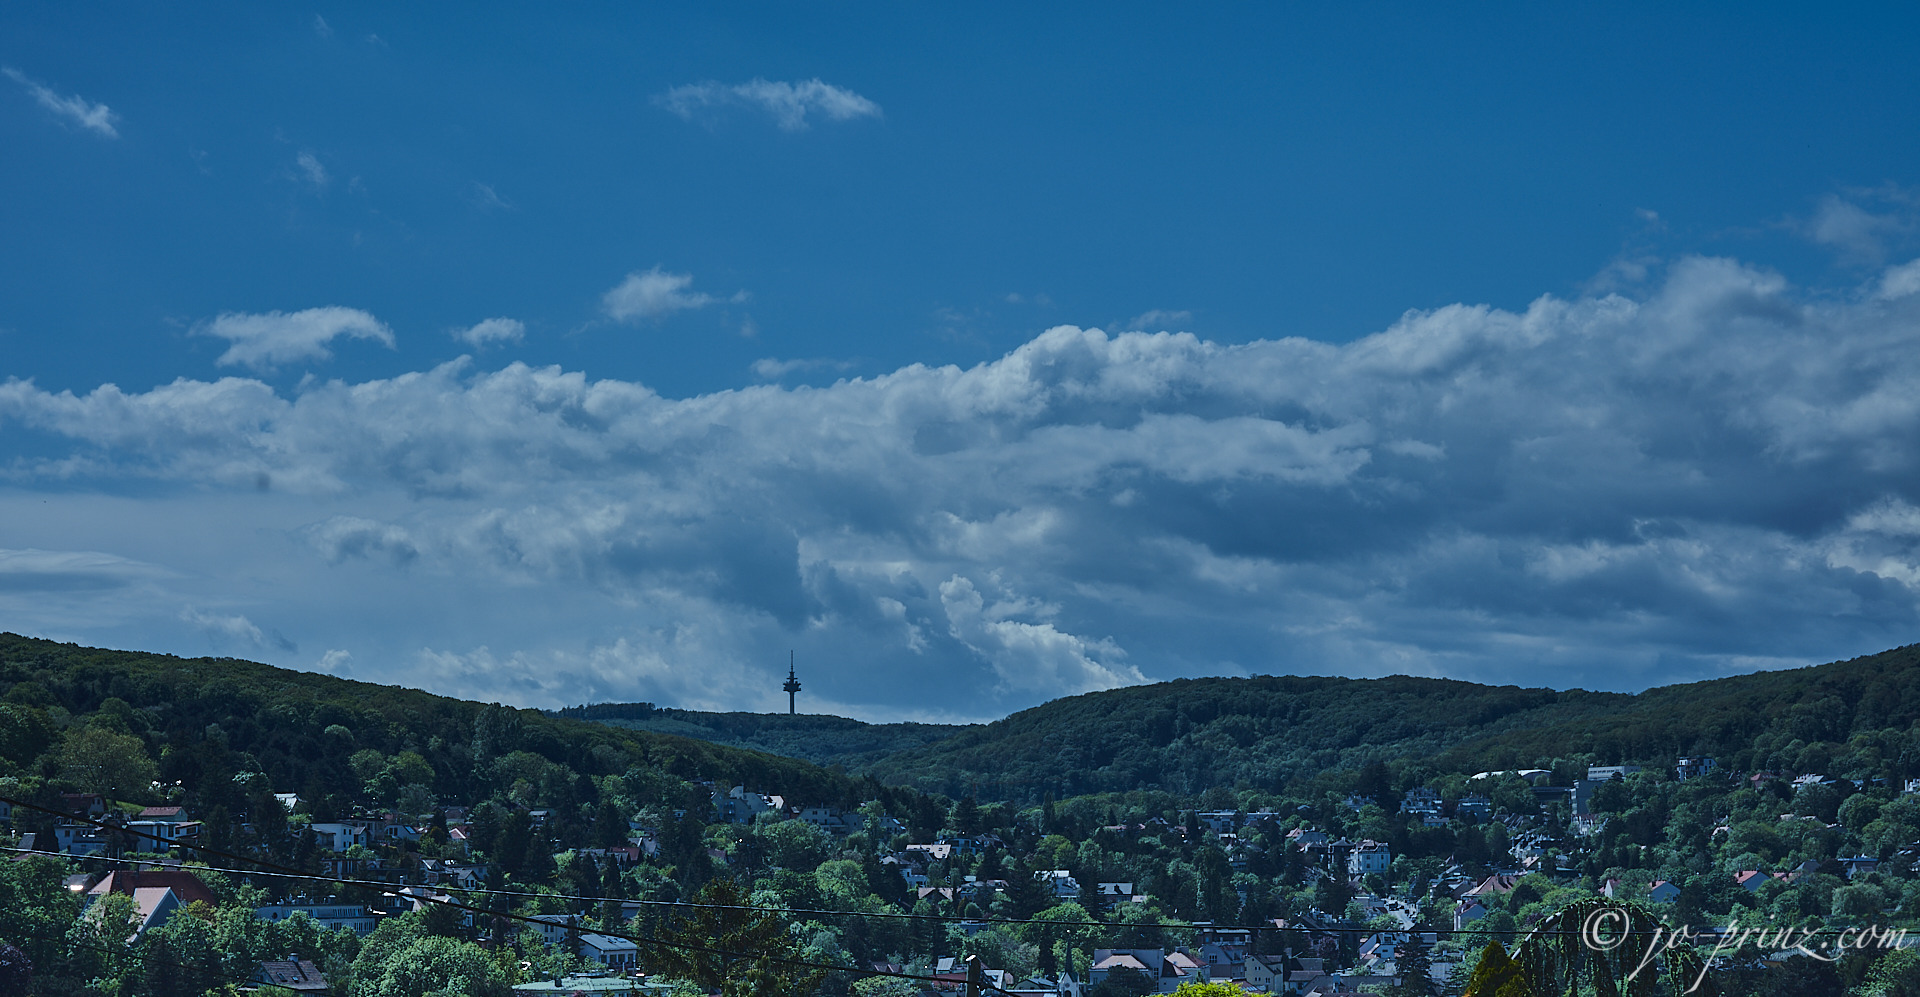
329, 914
1369, 857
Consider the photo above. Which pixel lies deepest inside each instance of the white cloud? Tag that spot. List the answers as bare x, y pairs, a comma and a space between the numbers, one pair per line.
264, 341
788, 103
1031, 657
70, 108
492, 332
653, 294
1158, 319
226, 628
486, 198
321, 27
1605, 491
311, 170
335, 662
70, 570
770, 369
1858, 234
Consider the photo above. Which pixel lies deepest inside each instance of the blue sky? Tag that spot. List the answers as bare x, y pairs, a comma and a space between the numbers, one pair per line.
1528, 345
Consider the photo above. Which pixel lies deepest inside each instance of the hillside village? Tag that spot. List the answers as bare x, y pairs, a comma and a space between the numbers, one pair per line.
1381, 888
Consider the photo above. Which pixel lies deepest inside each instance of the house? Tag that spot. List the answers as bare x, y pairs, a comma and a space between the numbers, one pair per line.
1061, 881
156, 894
84, 804
1116, 893
161, 835
1491, 886
1167, 969
1468, 911
614, 953
329, 914
1369, 857
292, 973
1859, 865
938, 851
1219, 821
952, 974
1662, 892
1751, 880
1693, 767
597, 986
1802, 871
1476, 805
553, 928
1532, 776
79, 839
339, 837
1225, 960
741, 805
1602, 773
170, 815
1263, 971
185, 884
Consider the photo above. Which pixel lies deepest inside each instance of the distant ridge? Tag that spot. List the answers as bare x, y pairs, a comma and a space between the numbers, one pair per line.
1275, 732
824, 740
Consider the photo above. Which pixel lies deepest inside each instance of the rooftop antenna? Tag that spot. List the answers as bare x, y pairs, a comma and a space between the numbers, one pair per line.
793, 684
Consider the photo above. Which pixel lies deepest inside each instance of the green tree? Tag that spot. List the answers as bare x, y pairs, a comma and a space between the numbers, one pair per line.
1896, 974
740, 953
36, 911
1124, 981
793, 844
101, 761
444, 967
1198, 989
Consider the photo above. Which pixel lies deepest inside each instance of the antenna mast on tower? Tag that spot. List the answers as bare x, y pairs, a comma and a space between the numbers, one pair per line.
793, 684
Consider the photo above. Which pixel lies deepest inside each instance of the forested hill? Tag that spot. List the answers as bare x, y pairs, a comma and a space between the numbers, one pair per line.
1266, 732
215, 724
821, 739
1190, 735
1794, 720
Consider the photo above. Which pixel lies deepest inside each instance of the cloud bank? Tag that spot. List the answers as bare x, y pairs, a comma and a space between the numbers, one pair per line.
1607, 491
788, 103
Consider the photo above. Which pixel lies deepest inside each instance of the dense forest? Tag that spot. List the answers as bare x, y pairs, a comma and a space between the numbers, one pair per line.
226, 730
817, 738
1269, 732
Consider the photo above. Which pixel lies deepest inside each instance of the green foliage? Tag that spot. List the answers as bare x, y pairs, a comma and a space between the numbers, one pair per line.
1124, 981
1275, 731
736, 952
822, 740
98, 760
36, 910
1198, 989
227, 729
884, 986
792, 844
1896, 974
444, 967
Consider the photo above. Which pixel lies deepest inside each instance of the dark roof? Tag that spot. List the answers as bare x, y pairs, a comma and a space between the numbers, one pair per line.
292, 974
